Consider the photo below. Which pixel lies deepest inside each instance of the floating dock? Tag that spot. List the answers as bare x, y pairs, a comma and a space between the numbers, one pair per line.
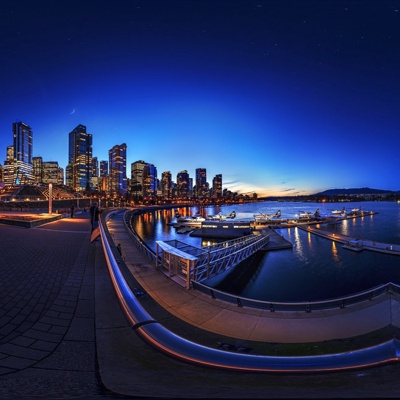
355, 244
293, 222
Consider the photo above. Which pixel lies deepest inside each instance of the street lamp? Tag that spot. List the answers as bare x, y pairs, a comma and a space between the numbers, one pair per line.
50, 198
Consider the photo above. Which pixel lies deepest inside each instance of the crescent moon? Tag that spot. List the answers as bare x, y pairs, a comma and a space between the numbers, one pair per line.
73, 111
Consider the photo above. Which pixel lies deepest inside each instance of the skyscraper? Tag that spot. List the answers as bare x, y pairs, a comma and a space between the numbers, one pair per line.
201, 183
117, 163
50, 172
23, 139
9, 167
79, 169
182, 184
137, 178
37, 168
166, 187
95, 167
103, 180
217, 186
149, 180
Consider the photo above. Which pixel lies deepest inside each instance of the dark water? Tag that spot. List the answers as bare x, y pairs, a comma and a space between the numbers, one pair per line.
315, 268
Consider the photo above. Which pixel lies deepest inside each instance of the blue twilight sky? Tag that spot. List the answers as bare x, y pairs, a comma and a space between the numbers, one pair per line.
280, 97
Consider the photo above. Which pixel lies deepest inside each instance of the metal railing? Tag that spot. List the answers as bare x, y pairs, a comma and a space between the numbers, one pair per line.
340, 302
225, 255
167, 342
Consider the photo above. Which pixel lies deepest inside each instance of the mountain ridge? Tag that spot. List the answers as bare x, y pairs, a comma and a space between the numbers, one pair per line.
349, 191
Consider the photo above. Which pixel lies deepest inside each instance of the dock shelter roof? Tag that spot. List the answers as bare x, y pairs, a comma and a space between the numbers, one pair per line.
181, 249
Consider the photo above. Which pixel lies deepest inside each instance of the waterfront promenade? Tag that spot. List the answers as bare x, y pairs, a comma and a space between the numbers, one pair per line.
63, 333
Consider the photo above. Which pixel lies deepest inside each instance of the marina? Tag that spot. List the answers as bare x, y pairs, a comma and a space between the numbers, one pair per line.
312, 268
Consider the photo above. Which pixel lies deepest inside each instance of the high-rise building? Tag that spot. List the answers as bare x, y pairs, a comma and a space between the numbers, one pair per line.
149, 180
182, 184
50, 172
23, 140
95, 173
217, 186
137, 178
60, 176
9, 167
37, 168
117, 175
79, 169
103, 168
166, 187
201, 183
95, 167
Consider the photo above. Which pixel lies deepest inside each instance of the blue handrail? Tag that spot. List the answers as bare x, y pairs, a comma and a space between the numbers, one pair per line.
175, 346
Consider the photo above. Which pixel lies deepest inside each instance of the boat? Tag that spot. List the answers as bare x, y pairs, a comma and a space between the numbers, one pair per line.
190, 220
354, 245
222, 217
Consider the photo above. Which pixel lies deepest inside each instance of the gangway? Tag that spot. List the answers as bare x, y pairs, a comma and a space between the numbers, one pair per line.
191, 263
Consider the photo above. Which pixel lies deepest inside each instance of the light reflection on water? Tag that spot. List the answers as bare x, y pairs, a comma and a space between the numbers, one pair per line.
314, 269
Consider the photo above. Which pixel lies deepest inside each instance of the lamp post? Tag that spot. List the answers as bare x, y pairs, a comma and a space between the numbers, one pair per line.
50, 198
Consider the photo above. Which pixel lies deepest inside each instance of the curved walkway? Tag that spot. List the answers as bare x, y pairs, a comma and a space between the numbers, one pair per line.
246, 323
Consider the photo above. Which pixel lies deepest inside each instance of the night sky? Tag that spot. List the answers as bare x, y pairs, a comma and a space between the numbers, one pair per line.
280, 97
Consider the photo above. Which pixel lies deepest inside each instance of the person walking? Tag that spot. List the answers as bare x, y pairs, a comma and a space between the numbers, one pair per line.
72, 210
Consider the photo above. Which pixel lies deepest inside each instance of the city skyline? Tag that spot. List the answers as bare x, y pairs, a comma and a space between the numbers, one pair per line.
279, 97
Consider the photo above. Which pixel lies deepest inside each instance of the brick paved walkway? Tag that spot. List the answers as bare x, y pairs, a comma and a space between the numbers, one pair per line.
47, 340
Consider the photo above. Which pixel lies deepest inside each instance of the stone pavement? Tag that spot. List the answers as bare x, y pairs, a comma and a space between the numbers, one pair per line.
47, 321
63, 334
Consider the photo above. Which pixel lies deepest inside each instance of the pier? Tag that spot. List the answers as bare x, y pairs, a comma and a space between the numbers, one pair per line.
293, 222
355, 244
197, 264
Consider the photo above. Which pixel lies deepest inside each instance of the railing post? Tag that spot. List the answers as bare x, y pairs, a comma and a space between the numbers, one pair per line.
156, 255
208, 264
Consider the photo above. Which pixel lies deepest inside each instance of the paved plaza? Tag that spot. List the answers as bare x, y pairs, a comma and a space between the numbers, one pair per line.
63, 334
